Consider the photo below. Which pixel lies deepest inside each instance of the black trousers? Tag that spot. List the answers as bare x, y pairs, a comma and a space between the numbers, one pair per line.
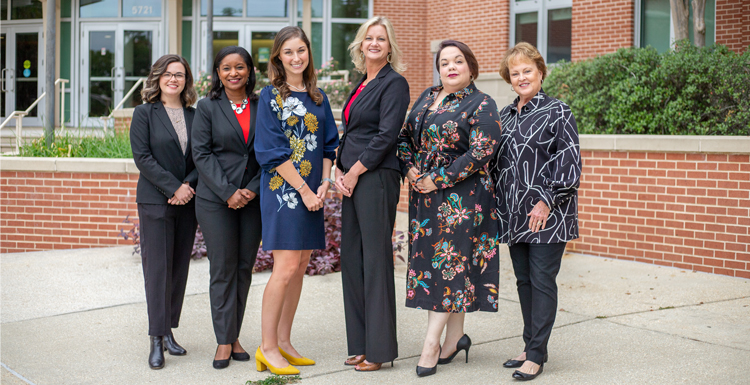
232, 239
167, 233
367, 220
536, 266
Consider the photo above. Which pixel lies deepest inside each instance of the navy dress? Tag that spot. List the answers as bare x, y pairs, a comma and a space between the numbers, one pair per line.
300, 130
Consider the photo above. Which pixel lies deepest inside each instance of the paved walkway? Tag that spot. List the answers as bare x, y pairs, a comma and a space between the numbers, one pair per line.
79, 317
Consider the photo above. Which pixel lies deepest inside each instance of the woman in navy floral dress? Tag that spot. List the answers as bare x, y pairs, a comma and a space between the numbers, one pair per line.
295, 143
445, 144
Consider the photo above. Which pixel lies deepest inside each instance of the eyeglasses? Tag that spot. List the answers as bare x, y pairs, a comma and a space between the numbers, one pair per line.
168, 76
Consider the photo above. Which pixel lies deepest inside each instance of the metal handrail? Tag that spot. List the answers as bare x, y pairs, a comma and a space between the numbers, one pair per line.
119, 105
19, 115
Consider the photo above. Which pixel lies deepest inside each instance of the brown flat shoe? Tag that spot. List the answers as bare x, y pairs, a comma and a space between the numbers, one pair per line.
371, 367
354, 361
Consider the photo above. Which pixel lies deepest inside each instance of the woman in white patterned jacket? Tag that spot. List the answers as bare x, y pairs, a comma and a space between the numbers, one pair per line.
537, 170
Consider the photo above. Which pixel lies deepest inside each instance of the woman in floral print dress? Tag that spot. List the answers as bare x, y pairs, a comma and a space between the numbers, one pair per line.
295, 143
445, 144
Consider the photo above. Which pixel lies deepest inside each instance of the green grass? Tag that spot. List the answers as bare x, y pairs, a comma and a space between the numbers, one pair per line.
111, 145
275, 380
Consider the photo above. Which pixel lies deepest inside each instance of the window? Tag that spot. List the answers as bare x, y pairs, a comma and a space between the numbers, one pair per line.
654, 25
547, 25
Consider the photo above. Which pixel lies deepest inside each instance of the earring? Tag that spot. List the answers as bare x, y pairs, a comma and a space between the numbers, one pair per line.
471, 78
362, 54
389, 57
511, 88
248, 81
221, 84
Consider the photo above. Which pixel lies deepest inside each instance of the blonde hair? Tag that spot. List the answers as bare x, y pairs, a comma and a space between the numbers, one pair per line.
355, 47
522, 51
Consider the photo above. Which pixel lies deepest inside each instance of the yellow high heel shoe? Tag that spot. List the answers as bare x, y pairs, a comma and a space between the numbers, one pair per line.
296, 361
262, 364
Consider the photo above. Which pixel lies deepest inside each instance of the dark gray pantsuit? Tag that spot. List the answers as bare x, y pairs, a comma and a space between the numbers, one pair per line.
536, 266
367, 220
232, 240
167, 233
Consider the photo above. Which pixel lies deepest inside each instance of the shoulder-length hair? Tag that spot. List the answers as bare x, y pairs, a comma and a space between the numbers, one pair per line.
277, 73
355, 50
216, 85
151, 92
522, 51
471, 60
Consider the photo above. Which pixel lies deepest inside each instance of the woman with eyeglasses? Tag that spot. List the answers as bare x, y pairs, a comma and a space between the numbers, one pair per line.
160, 138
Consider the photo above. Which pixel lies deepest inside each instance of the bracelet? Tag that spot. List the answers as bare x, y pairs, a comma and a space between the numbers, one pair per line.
300, 186
329, 180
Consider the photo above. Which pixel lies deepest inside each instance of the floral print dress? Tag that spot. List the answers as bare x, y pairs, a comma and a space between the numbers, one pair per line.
453, 231
300, 130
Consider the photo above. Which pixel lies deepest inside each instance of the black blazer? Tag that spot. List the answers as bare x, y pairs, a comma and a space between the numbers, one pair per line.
375, 119
158, 155
224, 161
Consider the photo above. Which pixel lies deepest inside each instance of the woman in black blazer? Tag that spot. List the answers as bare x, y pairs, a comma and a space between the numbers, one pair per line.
229, 183
160, 138
368, 174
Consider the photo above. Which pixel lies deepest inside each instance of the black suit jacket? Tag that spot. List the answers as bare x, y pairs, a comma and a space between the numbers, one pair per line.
158, 155
224, 161
375, 119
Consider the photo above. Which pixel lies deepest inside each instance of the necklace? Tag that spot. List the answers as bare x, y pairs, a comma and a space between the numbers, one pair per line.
297, 88
238, 109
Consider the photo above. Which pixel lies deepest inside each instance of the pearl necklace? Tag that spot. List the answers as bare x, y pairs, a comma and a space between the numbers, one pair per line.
296, 88
238, 109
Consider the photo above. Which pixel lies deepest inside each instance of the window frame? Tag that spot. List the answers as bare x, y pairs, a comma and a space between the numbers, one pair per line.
541, 7
638, 23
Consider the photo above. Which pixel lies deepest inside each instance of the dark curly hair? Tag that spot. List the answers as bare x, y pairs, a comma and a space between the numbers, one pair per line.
215, 91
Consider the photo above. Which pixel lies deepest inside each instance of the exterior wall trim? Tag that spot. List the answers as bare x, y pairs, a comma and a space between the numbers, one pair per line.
667, 143
87, 165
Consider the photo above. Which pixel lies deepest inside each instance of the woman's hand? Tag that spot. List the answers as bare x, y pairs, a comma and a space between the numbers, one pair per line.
237, 200
339, 180
183, 195
350, 182
425, 185
312, 201
538, 215
249, 195
412, 175
323, 189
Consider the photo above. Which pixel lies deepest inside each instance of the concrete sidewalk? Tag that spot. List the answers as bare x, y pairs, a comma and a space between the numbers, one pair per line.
79, 317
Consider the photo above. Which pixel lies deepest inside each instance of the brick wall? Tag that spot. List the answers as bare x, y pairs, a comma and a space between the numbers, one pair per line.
687, 210
733, 24
601, 27
64, 210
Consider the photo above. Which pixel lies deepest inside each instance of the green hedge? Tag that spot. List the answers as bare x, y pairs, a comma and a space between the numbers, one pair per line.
690, 91
110, 145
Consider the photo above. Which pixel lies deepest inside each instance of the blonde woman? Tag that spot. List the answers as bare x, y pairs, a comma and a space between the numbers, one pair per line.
369, 176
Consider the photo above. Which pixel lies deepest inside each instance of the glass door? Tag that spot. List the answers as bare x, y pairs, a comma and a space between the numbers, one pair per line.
114, 58
22, 71
257, 38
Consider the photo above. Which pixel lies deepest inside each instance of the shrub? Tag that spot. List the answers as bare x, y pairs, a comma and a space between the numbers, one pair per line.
110, 145
688, 91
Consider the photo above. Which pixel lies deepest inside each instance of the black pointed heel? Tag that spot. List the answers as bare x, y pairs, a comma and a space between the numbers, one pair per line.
424, 372
464, 343
156, 355
521, 376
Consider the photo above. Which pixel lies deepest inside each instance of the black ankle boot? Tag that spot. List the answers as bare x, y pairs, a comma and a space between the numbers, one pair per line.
156, 356
172, 346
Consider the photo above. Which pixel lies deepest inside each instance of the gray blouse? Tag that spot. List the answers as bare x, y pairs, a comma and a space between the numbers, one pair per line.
177, 116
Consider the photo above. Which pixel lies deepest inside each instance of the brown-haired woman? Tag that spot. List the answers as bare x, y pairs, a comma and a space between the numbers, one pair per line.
446, 143
296, 144
226, 204
160, 138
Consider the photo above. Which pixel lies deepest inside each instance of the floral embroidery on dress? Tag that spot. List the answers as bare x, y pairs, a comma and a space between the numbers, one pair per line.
452, 213
448, 259
415, 281
311, 121
305, 167
462, 299
418, 229
485, 248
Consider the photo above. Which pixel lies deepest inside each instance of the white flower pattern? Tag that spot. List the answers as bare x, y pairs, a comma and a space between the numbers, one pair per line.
290, 199
311, 142
293, 105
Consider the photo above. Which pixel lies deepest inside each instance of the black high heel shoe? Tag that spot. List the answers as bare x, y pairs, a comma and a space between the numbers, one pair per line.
156, 355
464, 343
172, 346
424, 372
518, 363
221, 364
521, 376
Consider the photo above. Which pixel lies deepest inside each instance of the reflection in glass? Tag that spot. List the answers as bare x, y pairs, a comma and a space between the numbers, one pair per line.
65, 9
224, 39
341, 36
349, 8
265, 8
559, 32
187, 8
316, 40
25, 9
710, 20
187, 40
27, 70
141, 8
317, 8
134, 100
655, 16
101, 53
137, 53
100, 98
4, 12
223, 8
261, 50
526, 27
99, 8
2, 78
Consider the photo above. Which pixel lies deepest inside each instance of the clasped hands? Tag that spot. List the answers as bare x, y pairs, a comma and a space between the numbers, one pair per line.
346, 182
422, 184
538, 217
182, 196
240, 198
312, 201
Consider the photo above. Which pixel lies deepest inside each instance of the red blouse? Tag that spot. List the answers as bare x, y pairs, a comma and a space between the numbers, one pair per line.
244, 119
349, 106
